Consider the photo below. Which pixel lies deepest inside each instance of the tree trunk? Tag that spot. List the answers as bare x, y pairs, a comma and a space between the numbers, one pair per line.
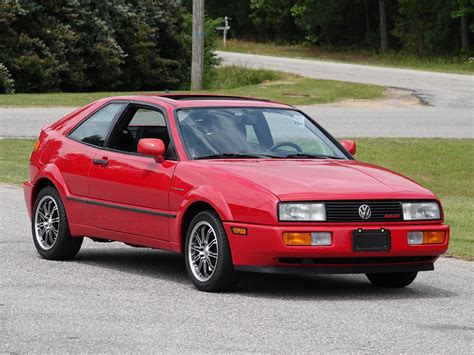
367, 25
464, 33
383, 26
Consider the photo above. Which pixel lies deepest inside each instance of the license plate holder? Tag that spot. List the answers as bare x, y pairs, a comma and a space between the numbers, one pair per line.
371, 240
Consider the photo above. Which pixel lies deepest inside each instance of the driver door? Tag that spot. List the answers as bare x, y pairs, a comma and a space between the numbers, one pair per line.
129, 192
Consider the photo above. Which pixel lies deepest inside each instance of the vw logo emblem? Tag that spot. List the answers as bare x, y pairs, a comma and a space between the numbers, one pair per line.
365, 212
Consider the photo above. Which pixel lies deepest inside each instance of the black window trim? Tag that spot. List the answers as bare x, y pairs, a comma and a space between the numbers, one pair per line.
112, 123
324, 131
149, 106
116, 119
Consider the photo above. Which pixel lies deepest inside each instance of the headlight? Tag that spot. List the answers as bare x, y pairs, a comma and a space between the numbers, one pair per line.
304, 211
415, 211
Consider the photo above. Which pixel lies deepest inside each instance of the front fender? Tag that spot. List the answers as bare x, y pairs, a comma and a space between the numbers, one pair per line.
206, 194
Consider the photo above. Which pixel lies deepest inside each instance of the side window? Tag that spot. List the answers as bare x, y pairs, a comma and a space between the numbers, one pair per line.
145, 117
94, 130
139, 123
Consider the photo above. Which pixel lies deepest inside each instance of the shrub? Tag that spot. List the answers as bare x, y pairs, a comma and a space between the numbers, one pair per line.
7, 85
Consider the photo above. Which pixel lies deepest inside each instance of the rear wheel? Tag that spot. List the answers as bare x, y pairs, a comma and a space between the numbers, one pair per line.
50, 227
207, 253
399, 279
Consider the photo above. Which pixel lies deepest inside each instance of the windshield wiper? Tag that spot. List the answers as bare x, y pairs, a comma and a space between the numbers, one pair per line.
236, 156
310, 156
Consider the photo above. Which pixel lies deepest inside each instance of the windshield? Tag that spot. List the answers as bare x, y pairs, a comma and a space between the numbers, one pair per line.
253, 133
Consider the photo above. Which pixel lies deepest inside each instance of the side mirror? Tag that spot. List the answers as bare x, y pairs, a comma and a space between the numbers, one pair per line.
349, 145
151, 146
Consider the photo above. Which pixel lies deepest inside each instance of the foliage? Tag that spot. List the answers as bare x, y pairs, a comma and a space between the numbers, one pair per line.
427, 27
7, 85
274, 20
234, 77
90, 45
421, 27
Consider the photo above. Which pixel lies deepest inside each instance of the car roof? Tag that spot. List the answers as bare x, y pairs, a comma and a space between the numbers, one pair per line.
178, 100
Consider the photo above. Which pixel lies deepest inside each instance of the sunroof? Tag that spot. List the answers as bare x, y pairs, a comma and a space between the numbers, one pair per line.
209, 97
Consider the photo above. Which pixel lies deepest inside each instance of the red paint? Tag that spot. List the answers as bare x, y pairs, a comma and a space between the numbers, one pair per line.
153, 147
245, 193
349, 145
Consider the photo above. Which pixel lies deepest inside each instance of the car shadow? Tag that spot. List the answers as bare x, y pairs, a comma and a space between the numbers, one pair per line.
168, 266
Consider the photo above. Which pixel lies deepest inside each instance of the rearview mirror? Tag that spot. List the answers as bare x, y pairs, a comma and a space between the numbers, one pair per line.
349, 145
151, 146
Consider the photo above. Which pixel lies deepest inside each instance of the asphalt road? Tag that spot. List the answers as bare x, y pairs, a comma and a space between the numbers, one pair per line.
117, 299
448, 98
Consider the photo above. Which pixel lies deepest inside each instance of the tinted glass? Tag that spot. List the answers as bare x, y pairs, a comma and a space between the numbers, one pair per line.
94, 130
253, 131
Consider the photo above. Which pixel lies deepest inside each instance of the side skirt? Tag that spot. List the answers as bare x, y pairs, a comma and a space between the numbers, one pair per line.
81, 230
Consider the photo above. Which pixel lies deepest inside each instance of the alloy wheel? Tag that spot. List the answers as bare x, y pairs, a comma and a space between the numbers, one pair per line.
46, 222
203, 251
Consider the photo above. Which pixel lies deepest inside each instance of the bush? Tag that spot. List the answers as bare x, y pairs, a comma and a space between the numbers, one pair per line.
97, 45
7, 85
235, 77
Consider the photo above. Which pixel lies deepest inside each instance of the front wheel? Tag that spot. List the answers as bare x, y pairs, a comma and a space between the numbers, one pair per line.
51, 229
207, 254
398, 279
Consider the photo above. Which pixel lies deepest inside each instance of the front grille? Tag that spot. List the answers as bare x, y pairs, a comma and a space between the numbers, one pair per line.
348, 211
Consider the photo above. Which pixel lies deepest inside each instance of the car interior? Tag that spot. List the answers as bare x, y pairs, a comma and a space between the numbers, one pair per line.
208, 133
138, 123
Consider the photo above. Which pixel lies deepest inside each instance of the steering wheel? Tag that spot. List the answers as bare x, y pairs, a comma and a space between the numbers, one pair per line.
286, 144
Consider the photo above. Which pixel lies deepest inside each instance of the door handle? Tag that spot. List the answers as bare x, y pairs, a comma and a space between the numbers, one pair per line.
104, 161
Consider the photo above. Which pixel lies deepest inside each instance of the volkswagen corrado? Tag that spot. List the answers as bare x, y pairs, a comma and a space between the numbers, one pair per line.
234, 184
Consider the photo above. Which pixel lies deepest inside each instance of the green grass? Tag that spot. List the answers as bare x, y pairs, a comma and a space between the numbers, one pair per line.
392, 59
260, 83
14, 159
445, 166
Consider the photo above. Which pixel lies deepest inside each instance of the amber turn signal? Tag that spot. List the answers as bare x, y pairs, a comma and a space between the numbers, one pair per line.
433, 237
297, 238
239, 230
36, 146
426, 237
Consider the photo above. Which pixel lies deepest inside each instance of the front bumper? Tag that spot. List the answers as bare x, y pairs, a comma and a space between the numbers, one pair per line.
263, 250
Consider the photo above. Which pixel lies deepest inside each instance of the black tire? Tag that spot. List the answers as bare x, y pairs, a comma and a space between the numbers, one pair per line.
64, 246
223, 278
399, 279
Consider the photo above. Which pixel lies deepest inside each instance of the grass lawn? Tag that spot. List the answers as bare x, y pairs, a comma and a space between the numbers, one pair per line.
442, 165
266, 84
393, 59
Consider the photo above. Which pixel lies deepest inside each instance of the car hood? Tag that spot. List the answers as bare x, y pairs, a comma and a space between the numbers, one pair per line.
296, 180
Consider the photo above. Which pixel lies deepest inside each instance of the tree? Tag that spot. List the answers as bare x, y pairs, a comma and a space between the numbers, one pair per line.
464, 9
383, 26
426, 27
95, 45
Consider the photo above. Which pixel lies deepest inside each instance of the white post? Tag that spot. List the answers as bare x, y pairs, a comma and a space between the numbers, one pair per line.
224, 30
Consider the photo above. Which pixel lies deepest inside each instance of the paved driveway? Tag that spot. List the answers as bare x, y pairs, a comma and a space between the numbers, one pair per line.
118, 299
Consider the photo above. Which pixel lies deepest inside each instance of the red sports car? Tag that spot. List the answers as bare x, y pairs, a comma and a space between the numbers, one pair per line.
235, 184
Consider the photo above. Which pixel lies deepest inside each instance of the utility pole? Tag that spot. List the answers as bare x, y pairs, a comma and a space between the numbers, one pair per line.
197, 65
